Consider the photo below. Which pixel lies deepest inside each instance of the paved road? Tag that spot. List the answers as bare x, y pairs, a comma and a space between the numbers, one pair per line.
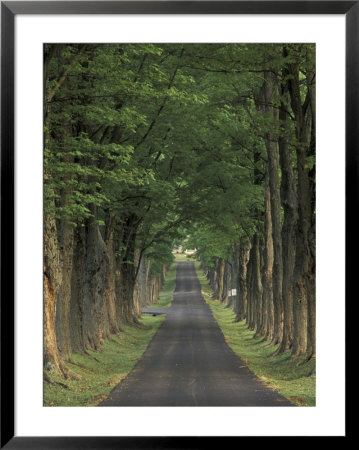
188, 362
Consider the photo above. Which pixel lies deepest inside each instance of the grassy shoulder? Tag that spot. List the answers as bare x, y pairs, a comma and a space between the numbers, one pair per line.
101, 371
280, 373
181, 257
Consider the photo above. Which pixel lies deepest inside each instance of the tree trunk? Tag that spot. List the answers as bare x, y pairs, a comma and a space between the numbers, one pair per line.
249, 276
51, 257
303, 270
235, 278
254, 283
289, 205
312, 229
114, 327
257, 289
127, 274
148, 284
63, 334
142, 281
260, 310
311, 350
220, 279
244, 251
226, 282
137, 288
96, 286
66, 251
273, 169
77, 292
127, 285
52, 282
267, 275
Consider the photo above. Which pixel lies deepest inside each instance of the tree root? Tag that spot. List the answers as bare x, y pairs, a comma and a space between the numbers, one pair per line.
136, 323
91, 356
47, 379
70, 375
58, 367
271, 344
281, 349
306, 360
302, 361
79, 365
277, 352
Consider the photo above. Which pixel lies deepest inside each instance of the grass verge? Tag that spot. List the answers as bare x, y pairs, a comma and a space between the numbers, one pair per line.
180, 257
101, 371
287, 376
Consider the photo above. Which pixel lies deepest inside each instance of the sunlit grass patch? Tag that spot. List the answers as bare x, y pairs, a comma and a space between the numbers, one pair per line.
184, 257
280, 373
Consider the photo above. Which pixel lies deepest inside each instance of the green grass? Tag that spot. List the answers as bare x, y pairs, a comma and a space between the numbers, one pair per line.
287, 376
182, 257
102, 371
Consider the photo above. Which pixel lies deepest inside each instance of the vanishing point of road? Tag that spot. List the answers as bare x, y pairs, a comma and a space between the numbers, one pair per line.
188, 362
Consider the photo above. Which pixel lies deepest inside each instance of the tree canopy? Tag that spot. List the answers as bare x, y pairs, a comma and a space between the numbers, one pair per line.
146, 145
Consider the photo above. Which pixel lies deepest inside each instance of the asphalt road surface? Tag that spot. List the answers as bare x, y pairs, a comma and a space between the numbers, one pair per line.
188, 362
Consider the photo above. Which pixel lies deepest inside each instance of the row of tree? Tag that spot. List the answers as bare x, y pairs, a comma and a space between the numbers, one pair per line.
271, 264
145, 144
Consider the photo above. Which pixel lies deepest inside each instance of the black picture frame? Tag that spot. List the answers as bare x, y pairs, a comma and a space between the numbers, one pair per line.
9, 9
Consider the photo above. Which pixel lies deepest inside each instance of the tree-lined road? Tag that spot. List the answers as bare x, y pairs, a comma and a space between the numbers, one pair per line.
188, 363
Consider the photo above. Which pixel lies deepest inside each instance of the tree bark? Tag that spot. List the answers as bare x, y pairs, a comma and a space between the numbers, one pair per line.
273, 169
254, 283
137, 288
260, 310
96, 285
267, 275
244, 251
52, 282
220, 279
249, 276
77, 292
64, 294
303, 270
312, 229
226, 282
235, 278
127, 273
66, 254
51, 255
113, 324
289, 205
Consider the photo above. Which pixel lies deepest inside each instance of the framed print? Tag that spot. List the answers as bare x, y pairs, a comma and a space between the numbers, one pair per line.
138, 133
